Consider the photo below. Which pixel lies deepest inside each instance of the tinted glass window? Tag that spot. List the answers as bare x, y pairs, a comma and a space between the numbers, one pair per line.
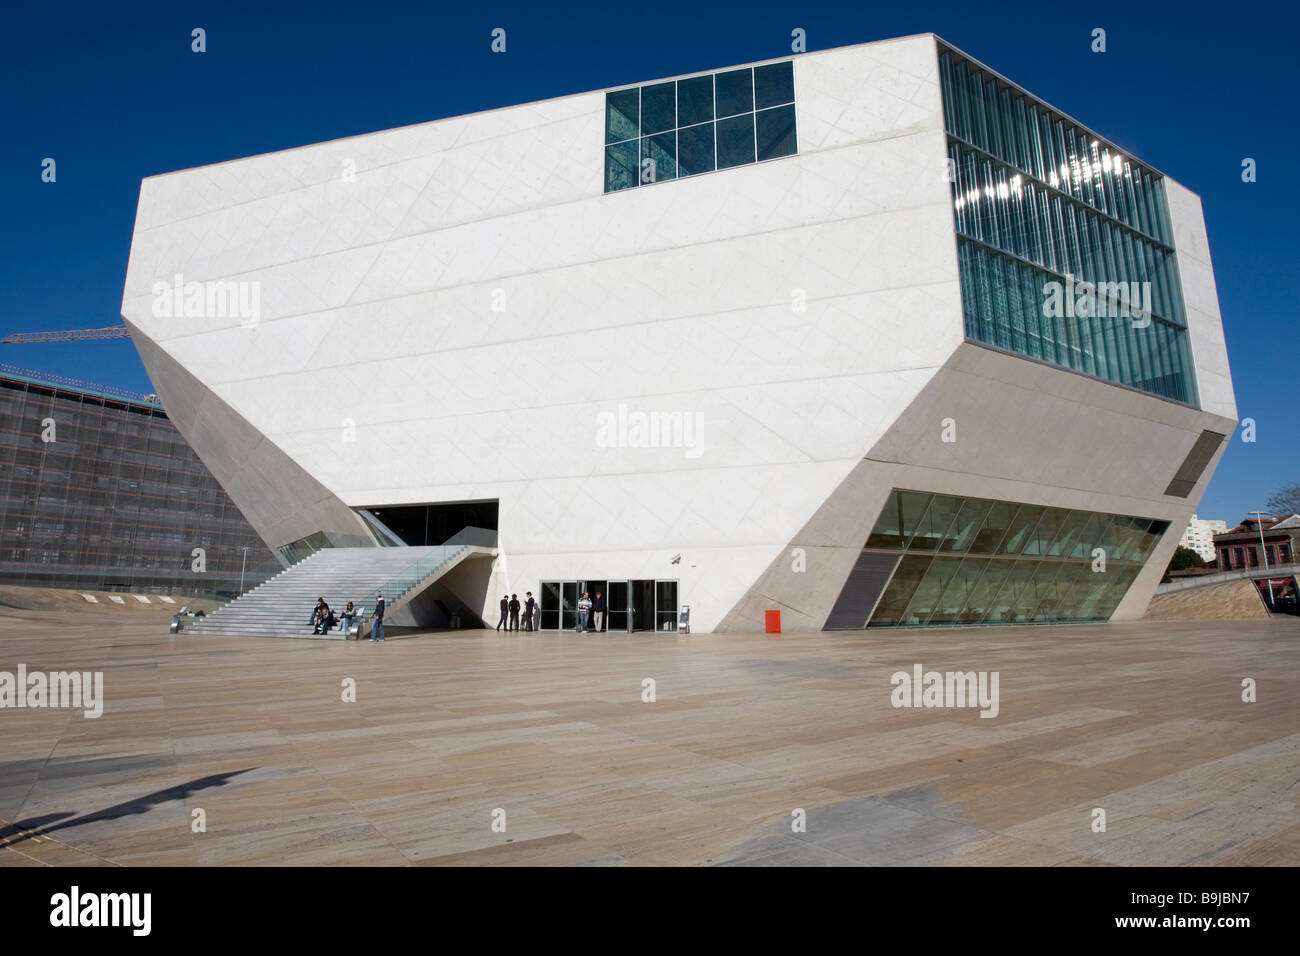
695, 149
658, 108
736, 141
775, 129
622, 116
1022, 562
661, 151
735, 92
695, 100
697, 125
620, 165
773, 85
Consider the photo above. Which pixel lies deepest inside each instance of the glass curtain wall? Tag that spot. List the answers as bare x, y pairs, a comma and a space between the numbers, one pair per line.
1065, 248
976, 561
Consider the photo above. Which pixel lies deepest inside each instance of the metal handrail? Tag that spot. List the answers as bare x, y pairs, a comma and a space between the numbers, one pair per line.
1222, 577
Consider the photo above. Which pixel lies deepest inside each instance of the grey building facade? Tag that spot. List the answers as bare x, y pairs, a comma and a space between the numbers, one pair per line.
99, 491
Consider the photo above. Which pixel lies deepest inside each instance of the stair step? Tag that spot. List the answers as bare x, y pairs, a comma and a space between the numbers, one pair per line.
279, 606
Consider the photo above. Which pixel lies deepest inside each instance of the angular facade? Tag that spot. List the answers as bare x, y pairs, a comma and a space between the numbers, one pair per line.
99, 491
869, 336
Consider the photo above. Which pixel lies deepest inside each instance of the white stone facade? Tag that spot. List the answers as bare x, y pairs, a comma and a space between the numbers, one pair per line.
460, 318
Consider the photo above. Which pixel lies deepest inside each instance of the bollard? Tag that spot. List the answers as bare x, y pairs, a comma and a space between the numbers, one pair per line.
773, 619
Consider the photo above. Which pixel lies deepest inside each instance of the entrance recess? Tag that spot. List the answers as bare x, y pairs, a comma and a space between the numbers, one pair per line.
636, 605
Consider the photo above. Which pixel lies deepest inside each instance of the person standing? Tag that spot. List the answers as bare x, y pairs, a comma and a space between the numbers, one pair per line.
598, 612
514, 612
377, 629
505, 612
530, 608
584, 610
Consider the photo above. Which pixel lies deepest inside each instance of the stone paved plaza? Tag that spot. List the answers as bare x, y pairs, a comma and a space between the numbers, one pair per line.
1143, 720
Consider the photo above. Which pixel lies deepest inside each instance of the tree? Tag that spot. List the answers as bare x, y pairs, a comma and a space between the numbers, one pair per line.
1286, 501
1183, 558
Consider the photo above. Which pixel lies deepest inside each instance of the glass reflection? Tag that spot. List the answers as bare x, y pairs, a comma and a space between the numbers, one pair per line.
977, 561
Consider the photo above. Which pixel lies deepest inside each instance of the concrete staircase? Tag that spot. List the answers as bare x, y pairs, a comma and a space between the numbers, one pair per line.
282, 605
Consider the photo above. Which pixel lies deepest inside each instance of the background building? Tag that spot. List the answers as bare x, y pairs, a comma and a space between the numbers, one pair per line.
1261, 541
870, 335
1199, 536
1240, 547
99, 491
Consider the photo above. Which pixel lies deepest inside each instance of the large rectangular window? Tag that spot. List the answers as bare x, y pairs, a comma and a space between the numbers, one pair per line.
664, 131
1064, 243
975, 561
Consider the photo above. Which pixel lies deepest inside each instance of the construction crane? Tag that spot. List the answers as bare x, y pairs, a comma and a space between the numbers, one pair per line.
67, 335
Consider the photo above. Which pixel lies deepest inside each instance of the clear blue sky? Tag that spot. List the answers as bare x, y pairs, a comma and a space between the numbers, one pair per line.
113, 94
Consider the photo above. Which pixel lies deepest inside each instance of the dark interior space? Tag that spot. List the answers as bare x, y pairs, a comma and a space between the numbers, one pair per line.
420, 525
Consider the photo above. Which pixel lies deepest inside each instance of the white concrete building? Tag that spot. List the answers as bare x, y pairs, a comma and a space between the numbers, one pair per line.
1199, 535
824, 370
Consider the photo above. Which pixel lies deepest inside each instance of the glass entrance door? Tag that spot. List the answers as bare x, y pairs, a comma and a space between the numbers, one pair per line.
550, 619
643, 605
620, 618
593, 588
665, 605
568, 605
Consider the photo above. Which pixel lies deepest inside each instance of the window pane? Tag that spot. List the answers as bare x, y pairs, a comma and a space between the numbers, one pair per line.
695, 150
898, 519
952, 605
981, 596
661, 150
666, 606
1022, 527
994, 528
735, 93
773, 85
962, 532
926, 599
621, 115
899, 592
736, 141
1045, 532
695, 100
620, 166
775, 133
934, 525
1046, 595
1070, 529
658, 108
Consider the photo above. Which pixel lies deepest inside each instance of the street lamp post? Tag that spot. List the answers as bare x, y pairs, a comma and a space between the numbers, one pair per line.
1263, 553
244, 564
